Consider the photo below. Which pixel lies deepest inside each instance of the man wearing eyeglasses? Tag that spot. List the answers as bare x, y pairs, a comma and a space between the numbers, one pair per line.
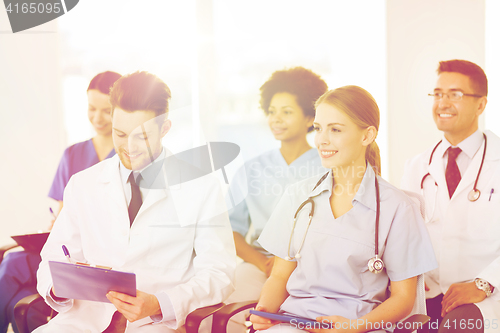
459, 178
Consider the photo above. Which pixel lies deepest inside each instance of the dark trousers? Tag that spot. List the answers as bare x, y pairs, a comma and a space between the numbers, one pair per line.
17, 280
466, 318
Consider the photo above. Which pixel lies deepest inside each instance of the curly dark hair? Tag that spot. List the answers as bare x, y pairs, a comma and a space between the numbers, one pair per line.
305, 85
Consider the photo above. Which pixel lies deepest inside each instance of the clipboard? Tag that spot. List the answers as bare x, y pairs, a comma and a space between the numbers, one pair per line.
32, 242
88, 283
293, 320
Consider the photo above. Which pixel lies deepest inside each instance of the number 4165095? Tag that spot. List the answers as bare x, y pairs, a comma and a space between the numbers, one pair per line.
34, 7
471, 324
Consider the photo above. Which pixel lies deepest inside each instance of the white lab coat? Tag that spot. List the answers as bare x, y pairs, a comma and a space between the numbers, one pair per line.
180, 244
465, 235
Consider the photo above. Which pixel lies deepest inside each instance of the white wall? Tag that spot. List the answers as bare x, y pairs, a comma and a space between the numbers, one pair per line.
492, 112
420, 33
31, 126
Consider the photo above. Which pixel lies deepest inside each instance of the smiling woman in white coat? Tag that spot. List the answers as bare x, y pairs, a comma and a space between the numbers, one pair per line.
462, 203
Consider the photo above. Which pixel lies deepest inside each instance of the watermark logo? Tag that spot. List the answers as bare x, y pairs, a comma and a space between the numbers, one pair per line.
199, 161
26, 14
355, 324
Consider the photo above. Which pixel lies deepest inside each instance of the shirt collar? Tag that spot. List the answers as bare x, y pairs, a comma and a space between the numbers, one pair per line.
365, 195
148, 173
469, 146
325, 183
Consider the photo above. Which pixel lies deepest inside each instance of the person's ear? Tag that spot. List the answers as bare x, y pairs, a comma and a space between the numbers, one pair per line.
481, 106
165, 127
369, 135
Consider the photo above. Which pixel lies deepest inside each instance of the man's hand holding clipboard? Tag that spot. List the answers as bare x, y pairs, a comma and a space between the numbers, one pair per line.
82, 281
135, 308
76, 281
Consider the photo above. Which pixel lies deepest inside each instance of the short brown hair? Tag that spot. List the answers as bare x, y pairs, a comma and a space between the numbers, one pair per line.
477, 78
140, 91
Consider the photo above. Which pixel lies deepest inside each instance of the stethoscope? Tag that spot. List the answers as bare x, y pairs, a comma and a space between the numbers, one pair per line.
375, 264
474, 194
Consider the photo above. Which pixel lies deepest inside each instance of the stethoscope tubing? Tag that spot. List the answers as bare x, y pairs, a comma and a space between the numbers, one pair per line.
311, 214
377, 216
474, 189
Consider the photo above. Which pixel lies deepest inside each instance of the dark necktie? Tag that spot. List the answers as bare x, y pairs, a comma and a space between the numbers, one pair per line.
452, 173
136, 200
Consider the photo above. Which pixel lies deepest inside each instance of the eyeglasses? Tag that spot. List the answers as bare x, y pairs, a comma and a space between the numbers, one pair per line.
453, 96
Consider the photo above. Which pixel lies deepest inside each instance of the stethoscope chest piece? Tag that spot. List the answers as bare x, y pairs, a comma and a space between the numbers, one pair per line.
376, 265
473, 195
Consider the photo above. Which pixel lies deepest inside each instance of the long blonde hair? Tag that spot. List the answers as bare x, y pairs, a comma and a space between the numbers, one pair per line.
360, 106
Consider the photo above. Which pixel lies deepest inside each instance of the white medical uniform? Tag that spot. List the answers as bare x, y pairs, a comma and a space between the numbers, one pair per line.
465, 235
332, 276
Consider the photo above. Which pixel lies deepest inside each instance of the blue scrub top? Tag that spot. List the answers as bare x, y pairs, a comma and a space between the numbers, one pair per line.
259, 185
78, 157
332, 276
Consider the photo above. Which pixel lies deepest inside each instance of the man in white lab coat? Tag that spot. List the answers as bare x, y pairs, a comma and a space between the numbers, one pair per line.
141, 212
460, 181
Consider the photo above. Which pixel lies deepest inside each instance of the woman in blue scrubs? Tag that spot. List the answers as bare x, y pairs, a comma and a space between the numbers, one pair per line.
18, 269
321, 271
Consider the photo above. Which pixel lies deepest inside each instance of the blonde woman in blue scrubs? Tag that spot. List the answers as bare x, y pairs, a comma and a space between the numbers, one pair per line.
330, 279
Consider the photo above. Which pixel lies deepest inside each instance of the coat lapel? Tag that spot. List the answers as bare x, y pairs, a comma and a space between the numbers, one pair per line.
468, 179
159, 187
113, 186
153, 197
436, 170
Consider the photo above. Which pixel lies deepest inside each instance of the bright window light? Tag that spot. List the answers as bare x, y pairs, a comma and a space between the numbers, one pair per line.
343, 41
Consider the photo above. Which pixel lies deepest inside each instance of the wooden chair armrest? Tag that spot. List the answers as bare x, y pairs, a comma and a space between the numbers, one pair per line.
221, 317
21, 310
194, 319
417, 321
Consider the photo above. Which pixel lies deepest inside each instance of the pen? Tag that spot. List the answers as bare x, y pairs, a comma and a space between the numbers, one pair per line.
53, 215
71, 261
492, 190
95, 266
66, 254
